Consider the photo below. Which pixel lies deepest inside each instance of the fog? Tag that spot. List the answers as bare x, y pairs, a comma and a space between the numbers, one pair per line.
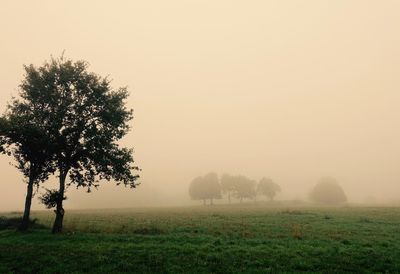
292, 90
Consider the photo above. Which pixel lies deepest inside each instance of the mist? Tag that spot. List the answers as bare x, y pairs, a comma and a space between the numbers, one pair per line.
290, 90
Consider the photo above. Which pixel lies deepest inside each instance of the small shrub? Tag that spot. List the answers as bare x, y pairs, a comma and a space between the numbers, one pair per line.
14, 222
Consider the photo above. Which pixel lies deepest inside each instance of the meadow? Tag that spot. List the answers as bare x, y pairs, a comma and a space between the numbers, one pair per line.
247, 238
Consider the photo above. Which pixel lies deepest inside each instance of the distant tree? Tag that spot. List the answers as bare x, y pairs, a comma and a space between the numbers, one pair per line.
228, 185
205, 188
245, 188
23, 136
197, 191
328, 191
268, 188
84, 118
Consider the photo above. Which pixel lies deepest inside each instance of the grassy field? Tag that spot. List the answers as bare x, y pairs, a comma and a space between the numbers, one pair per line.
218, 239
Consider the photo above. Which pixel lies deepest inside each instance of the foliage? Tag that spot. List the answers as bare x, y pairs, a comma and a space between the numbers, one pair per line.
23, 136
228, 185
239, 186
83, 119
268, 188
328, 191
244, 188
205, 187
50, 198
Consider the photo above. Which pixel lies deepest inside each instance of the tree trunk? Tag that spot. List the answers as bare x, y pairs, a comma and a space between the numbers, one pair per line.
58, 222
24, 225
229, 197
241, 199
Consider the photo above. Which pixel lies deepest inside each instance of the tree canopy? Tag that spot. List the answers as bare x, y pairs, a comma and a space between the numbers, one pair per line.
23, 136
245, 188
328, 191
205, 187
268, 187
228, 185
238, 186
83, 118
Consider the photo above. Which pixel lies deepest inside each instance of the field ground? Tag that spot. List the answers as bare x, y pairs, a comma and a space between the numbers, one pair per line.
218, 239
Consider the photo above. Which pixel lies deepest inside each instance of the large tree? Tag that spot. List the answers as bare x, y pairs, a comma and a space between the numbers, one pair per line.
205, 187
84, 118
268, 187
23, 137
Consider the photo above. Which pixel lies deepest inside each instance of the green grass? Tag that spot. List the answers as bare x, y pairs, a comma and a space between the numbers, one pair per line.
219, 239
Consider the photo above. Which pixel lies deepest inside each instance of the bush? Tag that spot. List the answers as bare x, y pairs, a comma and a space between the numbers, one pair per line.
14, 222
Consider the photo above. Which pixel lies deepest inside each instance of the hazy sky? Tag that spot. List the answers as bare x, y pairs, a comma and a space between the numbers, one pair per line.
294, 90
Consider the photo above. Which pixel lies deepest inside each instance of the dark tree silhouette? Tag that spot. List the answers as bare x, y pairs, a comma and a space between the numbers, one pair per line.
268, 187
205, 187
84, 118
328, 191
23, 136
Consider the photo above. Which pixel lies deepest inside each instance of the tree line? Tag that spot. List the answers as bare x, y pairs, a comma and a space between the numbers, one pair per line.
67, 121
210, 187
